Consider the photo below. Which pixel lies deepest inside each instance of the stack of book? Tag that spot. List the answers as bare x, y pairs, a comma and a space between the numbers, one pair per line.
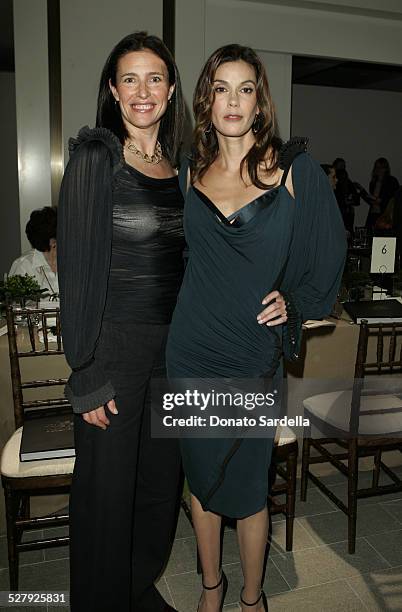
375, 311
47, 435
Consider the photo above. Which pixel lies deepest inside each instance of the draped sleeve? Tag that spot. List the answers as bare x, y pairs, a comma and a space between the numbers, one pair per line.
184, 186
317, 253
84, 237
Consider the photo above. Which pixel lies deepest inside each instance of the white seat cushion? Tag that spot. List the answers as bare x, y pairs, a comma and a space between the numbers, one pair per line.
334, 409
284, 435
12, 467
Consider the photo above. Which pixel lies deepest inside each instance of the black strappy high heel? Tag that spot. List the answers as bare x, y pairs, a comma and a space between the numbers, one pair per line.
223, 580
262, 596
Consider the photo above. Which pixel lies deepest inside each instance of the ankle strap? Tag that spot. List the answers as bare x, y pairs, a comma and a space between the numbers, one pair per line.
214, 587
249, 604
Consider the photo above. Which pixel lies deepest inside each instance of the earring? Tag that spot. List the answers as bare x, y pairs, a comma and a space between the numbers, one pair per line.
209, 128
256, 123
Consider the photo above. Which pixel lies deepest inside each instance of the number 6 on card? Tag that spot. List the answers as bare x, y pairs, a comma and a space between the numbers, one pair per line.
383, 255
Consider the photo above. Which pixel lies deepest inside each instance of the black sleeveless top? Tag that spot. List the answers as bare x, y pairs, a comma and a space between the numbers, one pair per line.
146, 266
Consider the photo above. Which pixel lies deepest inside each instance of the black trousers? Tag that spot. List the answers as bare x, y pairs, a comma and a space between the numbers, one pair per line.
124, 498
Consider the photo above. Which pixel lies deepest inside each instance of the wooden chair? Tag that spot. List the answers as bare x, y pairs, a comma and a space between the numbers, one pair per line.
284, 464
360, 422
21, 480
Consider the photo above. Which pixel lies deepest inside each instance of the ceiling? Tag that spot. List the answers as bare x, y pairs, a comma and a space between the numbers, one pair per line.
343, 73
306, 70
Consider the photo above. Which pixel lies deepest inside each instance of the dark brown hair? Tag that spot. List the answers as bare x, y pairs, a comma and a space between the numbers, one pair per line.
41, 228
108, 113
265, 127
382, 163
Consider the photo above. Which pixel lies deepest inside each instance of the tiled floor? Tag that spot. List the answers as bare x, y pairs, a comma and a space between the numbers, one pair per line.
319, 575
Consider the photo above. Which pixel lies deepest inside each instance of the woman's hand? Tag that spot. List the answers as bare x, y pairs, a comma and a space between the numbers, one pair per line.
98, 415
276, 308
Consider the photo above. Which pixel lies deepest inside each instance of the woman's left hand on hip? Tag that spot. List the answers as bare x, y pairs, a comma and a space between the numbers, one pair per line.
275, 312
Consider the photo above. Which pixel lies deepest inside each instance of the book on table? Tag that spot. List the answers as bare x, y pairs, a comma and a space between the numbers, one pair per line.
48, 436
375, 311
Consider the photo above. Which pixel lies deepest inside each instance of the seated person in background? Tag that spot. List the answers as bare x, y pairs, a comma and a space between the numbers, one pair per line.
41, 261
346, 194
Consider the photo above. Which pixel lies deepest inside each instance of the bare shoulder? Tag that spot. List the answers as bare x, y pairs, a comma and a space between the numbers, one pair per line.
289, 182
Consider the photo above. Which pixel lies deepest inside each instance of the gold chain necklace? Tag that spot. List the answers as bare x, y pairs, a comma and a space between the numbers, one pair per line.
155, 158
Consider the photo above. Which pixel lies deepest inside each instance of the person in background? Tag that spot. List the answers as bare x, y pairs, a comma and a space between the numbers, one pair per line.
381, 189
331, 174
390, 222
397, 219
41, 261
346, 194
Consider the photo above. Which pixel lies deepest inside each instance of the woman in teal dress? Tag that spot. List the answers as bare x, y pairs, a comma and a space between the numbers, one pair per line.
266, 251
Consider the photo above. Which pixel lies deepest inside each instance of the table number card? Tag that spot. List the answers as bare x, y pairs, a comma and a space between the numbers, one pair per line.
383, 255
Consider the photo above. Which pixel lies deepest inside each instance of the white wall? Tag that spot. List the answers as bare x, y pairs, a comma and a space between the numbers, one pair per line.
279, 71
89, 31
10, 241
32, 108
366, 30
303, 28
367, 7
359, 125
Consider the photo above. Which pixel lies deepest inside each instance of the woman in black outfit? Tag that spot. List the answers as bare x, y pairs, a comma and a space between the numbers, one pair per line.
120, 245
345, 194
382, 187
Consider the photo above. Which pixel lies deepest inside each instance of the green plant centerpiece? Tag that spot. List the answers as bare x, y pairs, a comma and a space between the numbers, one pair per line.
19, 289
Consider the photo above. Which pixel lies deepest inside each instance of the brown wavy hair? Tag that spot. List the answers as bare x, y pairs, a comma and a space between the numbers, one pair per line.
265, 127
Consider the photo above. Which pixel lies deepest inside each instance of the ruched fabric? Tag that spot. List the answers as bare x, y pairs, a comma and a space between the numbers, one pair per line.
295, 245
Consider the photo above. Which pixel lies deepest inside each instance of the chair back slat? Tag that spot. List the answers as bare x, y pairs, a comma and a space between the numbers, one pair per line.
392, 348
49, 405
58, 330
31, 330
40, 353
44, 331
37, 343
373, 339
15, 369
361, 354
380, 348
49, 382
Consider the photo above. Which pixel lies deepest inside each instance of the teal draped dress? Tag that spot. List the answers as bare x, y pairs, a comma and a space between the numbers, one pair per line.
296, 245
